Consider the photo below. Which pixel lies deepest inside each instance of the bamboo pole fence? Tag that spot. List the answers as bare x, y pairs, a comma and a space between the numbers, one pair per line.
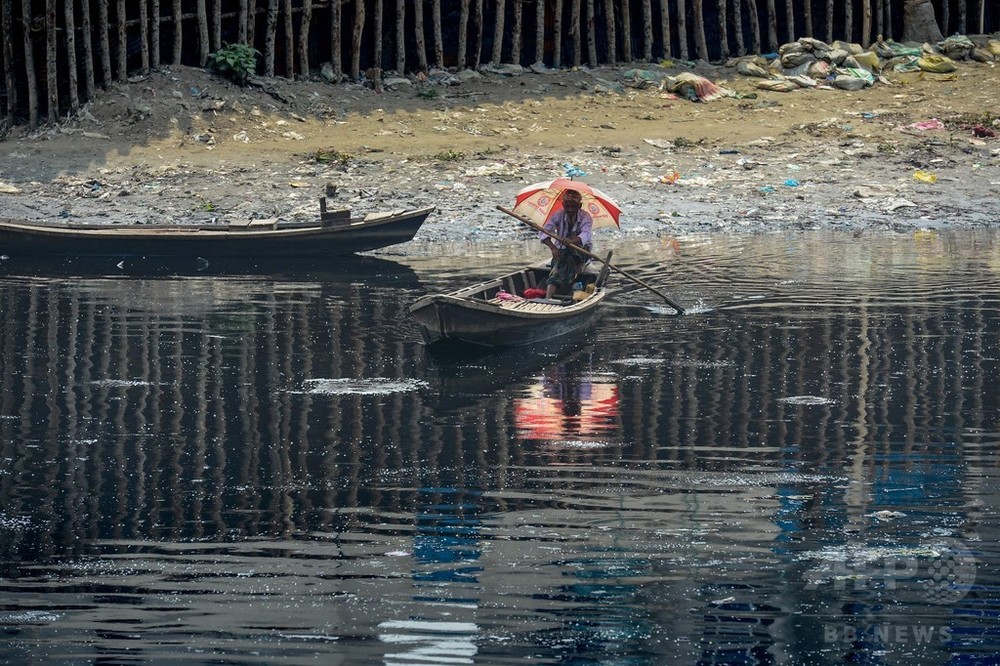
56, 53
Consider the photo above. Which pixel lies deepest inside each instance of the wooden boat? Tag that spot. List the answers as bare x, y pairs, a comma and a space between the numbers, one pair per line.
492, 313
336, 233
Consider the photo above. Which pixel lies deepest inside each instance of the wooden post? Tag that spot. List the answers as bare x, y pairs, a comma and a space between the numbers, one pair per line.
216, 41
359, 24
609, 23
89, 84
122, 42
463, 27
477, 43
241, 20
682, 35
270, 37
202, 32
790, 19
887, 22
51, 64
401, 37
251, 22
418, 33
574, 31
723, 32
289, 41
626, 32
143, 35
866, 22
665, 27
103, 26
7, 20
591, 37
755, 46
305, 27
498, 33
540, 32
945, 18
29, 65
515, 33
963, 18
557, 29
178, 32
829, 21
849, 20
647, 30
377, 16
807, 17
71, 66
772, 26
336, 47
699, 30
738, 27
438, 36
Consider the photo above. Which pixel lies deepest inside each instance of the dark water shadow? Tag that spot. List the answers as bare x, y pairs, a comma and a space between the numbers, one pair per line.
352, 268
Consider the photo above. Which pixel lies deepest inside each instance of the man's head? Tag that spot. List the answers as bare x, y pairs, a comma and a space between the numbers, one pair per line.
572, 200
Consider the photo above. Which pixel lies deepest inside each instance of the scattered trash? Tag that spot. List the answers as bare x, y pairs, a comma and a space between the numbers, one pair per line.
766, 189
924, 176
670, 178
923, 125
984, 132
791, 182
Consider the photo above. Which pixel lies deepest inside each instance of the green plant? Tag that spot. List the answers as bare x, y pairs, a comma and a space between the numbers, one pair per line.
236, 62
330, 155
449, 156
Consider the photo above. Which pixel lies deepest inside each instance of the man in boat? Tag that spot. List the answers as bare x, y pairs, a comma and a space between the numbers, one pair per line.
574, 225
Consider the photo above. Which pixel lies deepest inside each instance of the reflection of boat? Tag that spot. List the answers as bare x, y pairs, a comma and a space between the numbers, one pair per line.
460, 377
352, 268
337, 233
492, 314
567, 403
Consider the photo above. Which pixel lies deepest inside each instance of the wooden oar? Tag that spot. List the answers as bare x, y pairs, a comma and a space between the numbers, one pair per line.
565, 242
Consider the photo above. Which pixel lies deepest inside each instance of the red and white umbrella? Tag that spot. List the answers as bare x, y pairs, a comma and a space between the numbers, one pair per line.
540, 201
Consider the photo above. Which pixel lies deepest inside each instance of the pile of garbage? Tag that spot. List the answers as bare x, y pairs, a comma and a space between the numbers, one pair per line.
808, 62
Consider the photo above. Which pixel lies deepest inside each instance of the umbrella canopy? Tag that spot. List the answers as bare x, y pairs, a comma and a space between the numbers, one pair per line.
540, 201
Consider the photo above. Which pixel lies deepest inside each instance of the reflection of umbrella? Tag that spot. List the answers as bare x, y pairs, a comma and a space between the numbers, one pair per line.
540, 201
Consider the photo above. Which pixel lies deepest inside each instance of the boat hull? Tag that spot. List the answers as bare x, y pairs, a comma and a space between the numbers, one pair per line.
475, 318
300, 241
